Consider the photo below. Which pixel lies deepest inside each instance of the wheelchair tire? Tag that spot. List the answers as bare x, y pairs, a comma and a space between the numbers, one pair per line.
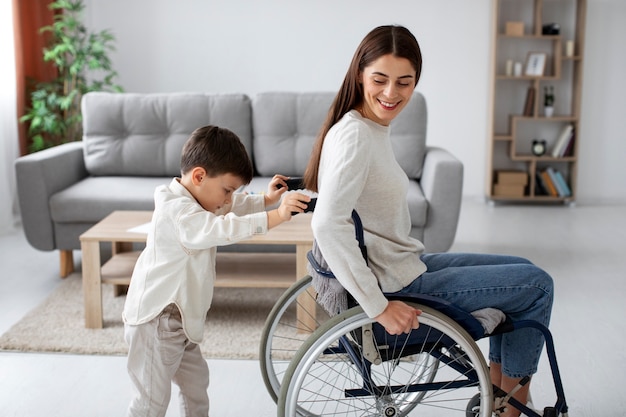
326, 376
283, 335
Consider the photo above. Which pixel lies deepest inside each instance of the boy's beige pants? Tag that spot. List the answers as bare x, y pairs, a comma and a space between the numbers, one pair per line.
159, 354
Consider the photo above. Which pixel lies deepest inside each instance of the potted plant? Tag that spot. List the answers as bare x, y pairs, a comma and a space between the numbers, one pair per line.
83, 64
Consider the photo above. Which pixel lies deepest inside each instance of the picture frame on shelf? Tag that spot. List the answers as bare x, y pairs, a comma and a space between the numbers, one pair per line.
535, 64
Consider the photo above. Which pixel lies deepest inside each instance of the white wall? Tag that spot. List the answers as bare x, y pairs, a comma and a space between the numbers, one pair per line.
251, 46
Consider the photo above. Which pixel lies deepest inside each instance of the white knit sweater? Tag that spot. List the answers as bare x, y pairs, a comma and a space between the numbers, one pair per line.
358, 170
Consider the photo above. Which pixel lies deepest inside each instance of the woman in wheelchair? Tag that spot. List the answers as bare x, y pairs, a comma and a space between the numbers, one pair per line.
353, 167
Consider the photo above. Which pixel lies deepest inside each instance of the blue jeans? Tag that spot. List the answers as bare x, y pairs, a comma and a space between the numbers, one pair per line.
511, 284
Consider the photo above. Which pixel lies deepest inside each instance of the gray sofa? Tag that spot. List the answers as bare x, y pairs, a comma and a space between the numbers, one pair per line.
132, 143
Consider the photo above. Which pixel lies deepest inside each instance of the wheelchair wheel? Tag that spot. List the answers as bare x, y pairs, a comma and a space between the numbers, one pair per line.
330, 376
285, 331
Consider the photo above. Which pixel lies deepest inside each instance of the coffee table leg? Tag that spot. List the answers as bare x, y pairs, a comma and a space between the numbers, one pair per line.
92, 284
119, 247
306, 301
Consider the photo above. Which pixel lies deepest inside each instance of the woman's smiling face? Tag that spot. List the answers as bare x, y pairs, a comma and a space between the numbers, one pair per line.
388, 85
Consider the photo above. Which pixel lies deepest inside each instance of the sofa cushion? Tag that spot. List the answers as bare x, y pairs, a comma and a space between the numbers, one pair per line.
286, 124
143, 134
93, 198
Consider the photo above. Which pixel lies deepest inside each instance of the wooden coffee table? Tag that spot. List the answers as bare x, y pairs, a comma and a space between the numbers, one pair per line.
234, 269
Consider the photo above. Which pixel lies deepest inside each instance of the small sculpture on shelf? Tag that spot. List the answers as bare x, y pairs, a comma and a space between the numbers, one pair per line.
548, 100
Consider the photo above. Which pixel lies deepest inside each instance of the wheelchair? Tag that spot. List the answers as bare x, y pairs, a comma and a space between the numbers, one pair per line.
348, 365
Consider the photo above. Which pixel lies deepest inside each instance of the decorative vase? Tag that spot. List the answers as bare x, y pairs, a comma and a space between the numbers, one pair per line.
548, 111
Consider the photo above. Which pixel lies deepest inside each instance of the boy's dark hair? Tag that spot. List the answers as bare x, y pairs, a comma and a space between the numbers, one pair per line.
219, 151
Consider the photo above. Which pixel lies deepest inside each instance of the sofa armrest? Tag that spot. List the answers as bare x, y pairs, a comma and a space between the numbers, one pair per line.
442, 184
39, 176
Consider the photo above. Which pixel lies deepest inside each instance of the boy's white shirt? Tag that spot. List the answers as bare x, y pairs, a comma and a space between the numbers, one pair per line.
178, 264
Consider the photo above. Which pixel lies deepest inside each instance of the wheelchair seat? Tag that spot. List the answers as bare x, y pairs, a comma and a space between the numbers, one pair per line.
464, 318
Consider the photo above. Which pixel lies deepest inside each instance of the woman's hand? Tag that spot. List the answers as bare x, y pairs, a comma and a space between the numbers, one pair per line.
399, 318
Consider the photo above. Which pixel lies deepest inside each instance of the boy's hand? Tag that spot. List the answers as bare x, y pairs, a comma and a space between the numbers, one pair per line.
275, 189
293, 202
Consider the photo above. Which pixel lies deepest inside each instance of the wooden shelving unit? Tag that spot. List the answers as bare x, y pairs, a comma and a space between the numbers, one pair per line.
515, 124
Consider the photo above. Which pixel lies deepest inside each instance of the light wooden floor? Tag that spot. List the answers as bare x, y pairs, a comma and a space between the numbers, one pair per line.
583, 247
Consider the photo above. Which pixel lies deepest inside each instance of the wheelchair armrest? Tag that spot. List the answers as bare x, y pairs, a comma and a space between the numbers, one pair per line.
464, 318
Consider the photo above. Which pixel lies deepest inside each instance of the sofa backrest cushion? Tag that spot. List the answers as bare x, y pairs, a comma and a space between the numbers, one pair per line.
143, 134
285, 125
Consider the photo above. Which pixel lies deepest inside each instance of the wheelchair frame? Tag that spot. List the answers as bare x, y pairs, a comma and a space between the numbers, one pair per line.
470, 331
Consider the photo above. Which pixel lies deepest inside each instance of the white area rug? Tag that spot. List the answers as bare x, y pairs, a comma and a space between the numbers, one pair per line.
232, 331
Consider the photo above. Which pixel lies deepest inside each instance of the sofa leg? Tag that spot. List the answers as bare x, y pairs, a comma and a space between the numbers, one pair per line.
67, 262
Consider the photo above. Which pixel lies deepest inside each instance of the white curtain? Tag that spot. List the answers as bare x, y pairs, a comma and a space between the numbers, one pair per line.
9, 149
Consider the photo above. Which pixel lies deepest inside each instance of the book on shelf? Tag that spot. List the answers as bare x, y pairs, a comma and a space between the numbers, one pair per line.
565, 137
547, 182
569, 149
529, 106
540, 187
559, 190
560, 181
554, 182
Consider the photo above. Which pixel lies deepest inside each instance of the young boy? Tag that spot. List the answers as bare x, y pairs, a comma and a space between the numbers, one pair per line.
172, 284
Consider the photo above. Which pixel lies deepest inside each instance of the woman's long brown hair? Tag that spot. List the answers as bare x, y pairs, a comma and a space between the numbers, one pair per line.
383, 40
